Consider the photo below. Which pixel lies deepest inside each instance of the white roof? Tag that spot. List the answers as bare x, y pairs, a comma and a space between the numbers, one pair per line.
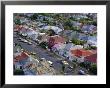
69, 46
56, 29
77, 47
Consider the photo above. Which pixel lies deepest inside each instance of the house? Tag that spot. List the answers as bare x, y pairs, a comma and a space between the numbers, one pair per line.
76, 24
77, 47
32, 34
67, 49
55, 40
58, 47
92, 40
89, 29
83, 36
17, 28
30, 67
28, 14
42, 37
23, 31
79, 54
20, 59
26, 63
91, 59
54, 28
69, 34
22, 56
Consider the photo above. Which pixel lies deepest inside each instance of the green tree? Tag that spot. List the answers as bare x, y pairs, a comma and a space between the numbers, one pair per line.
17, 21
34, 16
51, 32
43, 45
18, 72
93, 69
63, 67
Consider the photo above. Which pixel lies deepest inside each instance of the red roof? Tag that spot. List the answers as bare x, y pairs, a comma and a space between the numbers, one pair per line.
57, 39
81, 52
18, 27
92, 58
22, 56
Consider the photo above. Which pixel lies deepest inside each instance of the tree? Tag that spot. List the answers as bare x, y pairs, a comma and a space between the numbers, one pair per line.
74, 64
78, 42
18, 72
94, 23
17, 21
85, 65
51, 32
44, 45
34, 16
93, 69
63, 67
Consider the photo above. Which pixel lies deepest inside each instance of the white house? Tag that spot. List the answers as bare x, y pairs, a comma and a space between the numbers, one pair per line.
58, 47
32, 34
92, 41
54, 28
67, 49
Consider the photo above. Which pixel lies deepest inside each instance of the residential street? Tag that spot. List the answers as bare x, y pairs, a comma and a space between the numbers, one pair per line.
42, 53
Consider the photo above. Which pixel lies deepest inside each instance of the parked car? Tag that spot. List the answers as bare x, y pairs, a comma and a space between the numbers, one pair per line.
51, 63
25, 41
65, 62
33, 53
29, 43
41, 59
81, 72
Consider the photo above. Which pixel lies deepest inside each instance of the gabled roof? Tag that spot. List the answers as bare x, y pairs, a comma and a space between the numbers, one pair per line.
57, 39
54, 28
59, 46
81, 52
22, 56
91, 58
69, 46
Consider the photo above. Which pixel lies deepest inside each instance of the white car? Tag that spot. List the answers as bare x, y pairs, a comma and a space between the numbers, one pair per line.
33, 53
65, 62
29, 43
50, 62
25, 41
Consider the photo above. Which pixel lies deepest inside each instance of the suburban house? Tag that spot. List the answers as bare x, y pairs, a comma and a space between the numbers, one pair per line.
67, 49
92, 41
21, 58
58, 48
17, 28
32, 34
23, 31
83, 36
69, 34
55, 40
42, 37
79, 54
26, 63
91, 59
76, 24
89, 29
54, 28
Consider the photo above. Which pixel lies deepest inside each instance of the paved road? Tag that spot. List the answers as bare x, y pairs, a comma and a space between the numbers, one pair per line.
42, 53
